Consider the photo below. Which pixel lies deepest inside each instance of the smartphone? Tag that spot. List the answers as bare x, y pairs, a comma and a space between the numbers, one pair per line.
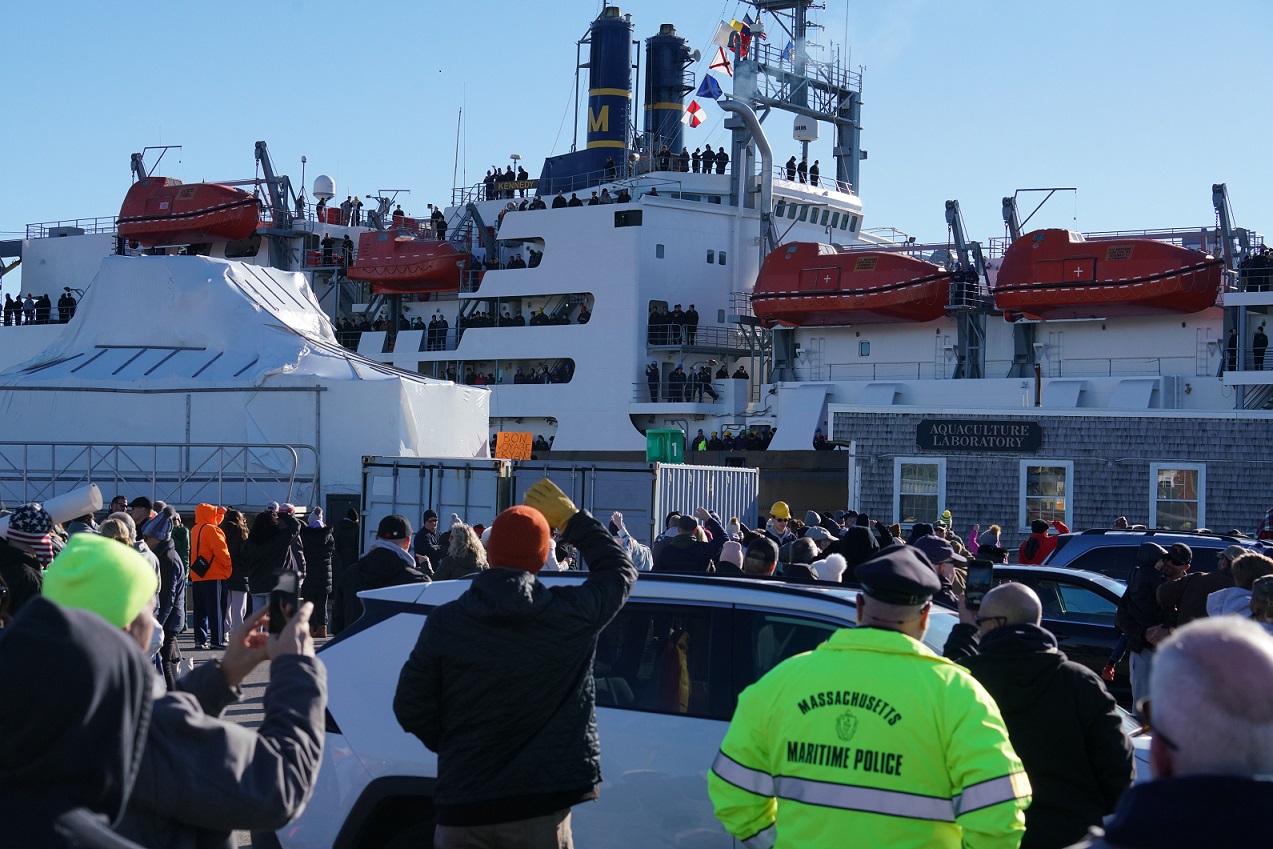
980, 580
282, 601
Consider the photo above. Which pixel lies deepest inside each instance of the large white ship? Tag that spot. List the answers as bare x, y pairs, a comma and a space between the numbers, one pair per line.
1046, 374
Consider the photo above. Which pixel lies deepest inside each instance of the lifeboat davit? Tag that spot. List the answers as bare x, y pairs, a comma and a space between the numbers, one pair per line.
164, 211
399, 262
807, 284
1058, 274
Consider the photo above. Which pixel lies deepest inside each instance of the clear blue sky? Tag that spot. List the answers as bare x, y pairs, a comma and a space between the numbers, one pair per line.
1141, 105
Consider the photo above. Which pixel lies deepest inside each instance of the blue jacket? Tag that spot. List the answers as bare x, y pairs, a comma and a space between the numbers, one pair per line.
171, 611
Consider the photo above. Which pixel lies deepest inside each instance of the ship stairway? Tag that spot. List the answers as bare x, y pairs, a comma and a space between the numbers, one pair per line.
1259, 397
470, 231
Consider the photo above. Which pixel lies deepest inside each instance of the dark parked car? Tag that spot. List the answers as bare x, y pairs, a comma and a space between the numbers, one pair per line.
1113, 552
1078, 607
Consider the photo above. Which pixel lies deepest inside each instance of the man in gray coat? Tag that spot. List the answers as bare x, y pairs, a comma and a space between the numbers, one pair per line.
201, 777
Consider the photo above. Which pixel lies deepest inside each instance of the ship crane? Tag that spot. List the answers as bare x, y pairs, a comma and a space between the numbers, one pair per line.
279, 189
966, 301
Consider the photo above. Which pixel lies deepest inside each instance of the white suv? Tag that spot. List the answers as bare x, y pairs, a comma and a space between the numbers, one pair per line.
376, 783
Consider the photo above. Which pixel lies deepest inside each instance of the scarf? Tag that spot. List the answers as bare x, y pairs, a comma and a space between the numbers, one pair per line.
389, 546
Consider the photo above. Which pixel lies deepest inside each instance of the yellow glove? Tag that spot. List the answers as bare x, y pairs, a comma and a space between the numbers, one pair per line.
545, 497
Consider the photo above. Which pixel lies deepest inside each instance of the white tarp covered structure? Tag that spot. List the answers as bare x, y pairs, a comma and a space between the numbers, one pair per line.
190, 351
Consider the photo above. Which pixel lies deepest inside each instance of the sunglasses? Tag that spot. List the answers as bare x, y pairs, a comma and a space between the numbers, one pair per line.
981, 620
1143, 707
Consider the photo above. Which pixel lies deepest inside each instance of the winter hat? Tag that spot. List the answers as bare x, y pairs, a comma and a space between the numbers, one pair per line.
272, 507
1149, 553
990, 536
429, 514
98, 574
160, 525
812, 518
831, 569
732, 552
393, 526
520, 539
127, 520
287, 508
30, 524
688, 524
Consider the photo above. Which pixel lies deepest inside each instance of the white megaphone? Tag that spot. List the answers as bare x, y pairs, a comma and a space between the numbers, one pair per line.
64, 508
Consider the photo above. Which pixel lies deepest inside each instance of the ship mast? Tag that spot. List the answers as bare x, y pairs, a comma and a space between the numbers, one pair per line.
772, 77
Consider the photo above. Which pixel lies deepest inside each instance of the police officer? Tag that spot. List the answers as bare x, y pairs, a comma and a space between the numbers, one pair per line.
872, 735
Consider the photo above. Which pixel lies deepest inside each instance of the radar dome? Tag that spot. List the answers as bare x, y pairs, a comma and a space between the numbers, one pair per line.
805, 129
324, 187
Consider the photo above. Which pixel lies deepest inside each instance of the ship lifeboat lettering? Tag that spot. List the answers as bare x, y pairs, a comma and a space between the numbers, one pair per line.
164, 211
402, 263
1058, 274
806, 284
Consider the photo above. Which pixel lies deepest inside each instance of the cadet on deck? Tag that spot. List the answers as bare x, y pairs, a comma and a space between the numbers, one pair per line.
872, 735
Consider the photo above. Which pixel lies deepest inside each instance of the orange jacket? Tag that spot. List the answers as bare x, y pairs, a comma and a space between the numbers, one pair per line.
208, 540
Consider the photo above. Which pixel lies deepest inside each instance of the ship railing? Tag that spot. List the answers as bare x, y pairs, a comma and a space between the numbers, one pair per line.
1205, 239
1051, 368
182, 474
775, 55
740, 304
71, 227
666, 392
708, 337
823, 181
318, 260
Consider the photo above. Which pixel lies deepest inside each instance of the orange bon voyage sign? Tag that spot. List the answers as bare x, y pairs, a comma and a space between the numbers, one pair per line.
510, 445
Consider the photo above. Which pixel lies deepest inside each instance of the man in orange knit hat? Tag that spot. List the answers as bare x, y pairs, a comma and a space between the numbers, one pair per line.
511, 766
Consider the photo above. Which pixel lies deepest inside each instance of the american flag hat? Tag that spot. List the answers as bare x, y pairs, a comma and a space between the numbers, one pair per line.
30, 524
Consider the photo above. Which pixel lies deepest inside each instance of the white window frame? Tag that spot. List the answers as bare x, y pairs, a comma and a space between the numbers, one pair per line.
898, 462
1200, 468
1068, 465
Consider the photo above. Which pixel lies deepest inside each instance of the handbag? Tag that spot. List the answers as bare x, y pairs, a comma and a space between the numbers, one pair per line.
200, 566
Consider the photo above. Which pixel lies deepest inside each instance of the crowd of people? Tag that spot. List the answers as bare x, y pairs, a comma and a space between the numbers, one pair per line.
675, 327
998, 741
803, 171
38, 310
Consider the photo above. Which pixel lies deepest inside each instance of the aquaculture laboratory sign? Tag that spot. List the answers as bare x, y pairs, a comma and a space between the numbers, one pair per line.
972, 435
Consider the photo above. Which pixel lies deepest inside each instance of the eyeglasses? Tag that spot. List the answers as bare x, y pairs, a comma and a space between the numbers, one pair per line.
1143, 708
981, 620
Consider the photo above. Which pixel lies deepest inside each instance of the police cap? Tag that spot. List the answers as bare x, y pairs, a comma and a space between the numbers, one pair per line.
899, 574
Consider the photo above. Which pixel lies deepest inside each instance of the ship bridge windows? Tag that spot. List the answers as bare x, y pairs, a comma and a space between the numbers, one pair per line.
780, 208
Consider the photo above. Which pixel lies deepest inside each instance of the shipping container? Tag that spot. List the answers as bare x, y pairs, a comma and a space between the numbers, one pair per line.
476, 490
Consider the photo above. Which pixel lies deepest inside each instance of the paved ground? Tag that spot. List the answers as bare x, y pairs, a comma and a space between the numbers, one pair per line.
247, 711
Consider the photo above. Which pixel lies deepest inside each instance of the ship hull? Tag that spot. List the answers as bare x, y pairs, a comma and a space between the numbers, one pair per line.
1049, 274
811, 285
159, 211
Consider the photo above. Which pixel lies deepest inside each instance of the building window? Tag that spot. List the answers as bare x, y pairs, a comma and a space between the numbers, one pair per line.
1178, 500
658, 251
1045, 491
919, 488
711, 257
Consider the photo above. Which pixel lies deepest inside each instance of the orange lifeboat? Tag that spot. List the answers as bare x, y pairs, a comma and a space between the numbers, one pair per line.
1058, 274
164, 211
399, 262
807, 284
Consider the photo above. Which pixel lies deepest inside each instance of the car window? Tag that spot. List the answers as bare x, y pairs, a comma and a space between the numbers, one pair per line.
661, 658
773, 637
1116, 561
1072, 603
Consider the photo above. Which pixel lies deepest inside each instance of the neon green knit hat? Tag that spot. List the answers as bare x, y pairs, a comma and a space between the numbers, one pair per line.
99, 574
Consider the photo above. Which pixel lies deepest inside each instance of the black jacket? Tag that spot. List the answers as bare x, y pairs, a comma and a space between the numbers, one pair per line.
380, 568
72, 745
348, 536
683, 553
1062, 722
1193, 812
430, 545
266, 556
500, 685
21, 573
171, 608
319, 545
1138, 609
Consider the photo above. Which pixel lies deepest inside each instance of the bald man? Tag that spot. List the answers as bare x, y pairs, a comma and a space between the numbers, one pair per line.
1211, 753
1061, 720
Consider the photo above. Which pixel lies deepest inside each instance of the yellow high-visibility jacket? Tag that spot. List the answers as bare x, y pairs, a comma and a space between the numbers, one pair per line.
869, 740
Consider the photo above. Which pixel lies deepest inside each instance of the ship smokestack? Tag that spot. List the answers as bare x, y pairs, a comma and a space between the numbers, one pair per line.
610, 81
667, 58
